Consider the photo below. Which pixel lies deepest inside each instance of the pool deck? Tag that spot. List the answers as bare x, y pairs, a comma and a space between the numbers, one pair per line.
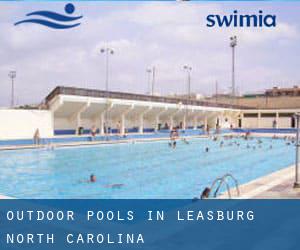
277, 185
98, 142
5, 197
130, 140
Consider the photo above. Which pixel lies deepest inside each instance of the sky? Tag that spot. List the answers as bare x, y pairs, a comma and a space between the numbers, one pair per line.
144, 34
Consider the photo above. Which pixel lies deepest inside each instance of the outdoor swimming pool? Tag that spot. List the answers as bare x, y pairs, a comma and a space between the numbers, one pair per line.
147, 170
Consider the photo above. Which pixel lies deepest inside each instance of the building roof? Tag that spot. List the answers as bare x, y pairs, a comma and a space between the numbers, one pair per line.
60, 90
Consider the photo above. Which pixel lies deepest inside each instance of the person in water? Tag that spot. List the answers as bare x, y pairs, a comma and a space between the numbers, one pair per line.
185, 141
207, 149
93, 178
205, 193
37, 137
117, 185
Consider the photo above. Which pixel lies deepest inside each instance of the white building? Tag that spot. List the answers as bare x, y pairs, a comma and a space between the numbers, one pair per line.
74, 108
70, 109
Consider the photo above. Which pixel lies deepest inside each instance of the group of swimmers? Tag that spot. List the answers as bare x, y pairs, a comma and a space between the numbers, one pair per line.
174, 135
289, 140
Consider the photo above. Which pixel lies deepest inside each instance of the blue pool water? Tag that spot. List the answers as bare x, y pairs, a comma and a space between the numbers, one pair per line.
147, 170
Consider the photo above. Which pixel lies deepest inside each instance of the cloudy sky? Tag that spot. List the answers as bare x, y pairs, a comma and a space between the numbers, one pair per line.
167, 35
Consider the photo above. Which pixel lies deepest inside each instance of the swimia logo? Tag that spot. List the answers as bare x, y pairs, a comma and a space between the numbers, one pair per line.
52, 19
242, 20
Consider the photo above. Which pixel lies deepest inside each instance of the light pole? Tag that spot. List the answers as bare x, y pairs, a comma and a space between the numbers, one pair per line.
153, 78
297, 181
107, 51
149, 72
12, 75
233, 44
188, 69
153, 72
217, 91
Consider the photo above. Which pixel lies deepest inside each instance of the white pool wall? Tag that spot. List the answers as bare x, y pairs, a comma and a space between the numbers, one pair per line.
22, 124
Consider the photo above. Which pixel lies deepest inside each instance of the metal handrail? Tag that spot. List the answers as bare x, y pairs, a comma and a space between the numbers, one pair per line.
220, 181
235, 182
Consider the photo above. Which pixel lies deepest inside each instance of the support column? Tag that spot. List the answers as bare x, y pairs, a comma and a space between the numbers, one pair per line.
141, 124
142, 118
184, 122
101, 128
78, 122
195, 122
205, 123
258, 119
156, 122
123, 119
171, 122
277, 120
157, 118
242, 119
77, 116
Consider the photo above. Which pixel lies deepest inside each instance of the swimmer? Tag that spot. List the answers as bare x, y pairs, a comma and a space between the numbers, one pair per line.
248, 146
205, 193
174, 144
93, 178
185, 141
117, 185
270, 147
50, 147
207, 149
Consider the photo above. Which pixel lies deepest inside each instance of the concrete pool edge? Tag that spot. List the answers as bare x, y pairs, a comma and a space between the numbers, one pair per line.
276, 185
91, 143
4, 197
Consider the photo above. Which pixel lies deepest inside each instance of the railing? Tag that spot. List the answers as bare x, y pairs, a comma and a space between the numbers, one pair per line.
220, 182
130, 96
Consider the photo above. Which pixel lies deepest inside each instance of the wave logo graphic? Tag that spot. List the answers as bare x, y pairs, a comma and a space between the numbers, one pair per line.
53, 20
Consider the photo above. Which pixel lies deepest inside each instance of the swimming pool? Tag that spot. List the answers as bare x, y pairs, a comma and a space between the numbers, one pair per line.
147, 170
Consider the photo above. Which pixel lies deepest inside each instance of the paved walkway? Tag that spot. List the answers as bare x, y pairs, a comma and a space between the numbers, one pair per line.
278, 185
98, 142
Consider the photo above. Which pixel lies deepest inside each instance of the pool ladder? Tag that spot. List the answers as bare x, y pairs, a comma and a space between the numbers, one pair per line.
223, 180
